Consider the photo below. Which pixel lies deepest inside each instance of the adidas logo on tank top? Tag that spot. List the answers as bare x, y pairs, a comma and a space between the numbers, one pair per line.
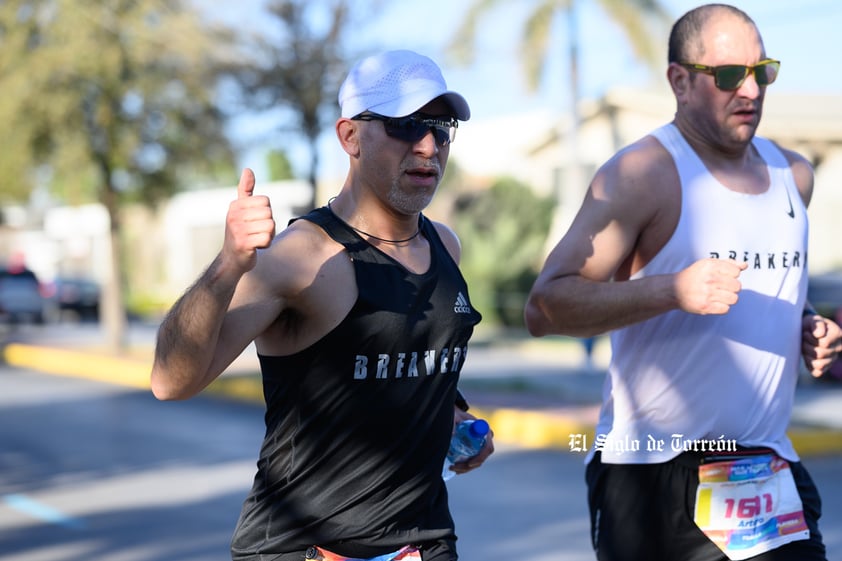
461, 306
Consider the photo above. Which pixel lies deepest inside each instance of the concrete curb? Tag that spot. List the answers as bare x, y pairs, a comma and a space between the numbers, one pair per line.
132, 372
526, 428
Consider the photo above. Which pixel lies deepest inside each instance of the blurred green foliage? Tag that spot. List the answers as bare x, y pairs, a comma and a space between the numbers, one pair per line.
503, 231
112, 102
108, 101
280, 168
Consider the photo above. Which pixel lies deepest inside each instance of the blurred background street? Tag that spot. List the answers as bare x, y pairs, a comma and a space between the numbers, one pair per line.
95, 470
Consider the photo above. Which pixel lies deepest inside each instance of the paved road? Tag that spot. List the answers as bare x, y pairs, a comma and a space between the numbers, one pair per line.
95, 471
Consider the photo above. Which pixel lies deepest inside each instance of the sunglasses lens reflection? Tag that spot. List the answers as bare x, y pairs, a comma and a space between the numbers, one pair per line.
765, 74
731, 77
410, 129
413, 128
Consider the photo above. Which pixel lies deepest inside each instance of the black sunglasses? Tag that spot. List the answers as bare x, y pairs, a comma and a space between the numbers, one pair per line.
413, 128
730, 77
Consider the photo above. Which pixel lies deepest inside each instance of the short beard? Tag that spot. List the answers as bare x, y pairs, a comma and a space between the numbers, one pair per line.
409, 203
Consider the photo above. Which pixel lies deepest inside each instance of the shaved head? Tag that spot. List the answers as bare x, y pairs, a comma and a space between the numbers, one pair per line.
685, 41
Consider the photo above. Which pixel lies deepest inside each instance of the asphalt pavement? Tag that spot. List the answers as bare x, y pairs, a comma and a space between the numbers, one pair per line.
535, 393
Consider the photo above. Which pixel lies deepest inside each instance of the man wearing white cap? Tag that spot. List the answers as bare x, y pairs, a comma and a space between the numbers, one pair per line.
361, 321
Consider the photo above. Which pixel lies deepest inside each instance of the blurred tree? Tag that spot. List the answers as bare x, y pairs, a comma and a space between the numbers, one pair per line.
645, 24
108, 101
299, 68
502, 231
279, 166
642, 22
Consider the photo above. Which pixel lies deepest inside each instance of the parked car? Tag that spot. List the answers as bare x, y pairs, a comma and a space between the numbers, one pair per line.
77, 295
21, 296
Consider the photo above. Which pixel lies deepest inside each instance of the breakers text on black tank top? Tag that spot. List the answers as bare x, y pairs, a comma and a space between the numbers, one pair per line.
357, 425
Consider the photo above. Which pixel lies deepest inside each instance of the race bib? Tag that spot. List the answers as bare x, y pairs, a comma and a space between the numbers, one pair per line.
750, 505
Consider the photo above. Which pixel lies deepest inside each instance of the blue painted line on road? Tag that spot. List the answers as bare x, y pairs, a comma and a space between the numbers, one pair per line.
42, 512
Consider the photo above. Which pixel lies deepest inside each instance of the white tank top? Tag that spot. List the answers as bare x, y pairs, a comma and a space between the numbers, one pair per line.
682, 381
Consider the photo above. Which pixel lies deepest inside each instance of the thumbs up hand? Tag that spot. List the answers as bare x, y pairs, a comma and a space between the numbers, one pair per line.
249, 225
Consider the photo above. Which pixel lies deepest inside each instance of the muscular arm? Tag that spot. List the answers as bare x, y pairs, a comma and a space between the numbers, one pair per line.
199, 336
628, 214
188, 353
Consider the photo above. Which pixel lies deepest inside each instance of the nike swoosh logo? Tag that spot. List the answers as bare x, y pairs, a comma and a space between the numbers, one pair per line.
791, 212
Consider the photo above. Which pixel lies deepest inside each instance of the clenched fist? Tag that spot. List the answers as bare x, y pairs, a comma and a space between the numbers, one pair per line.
709, 286
821, 343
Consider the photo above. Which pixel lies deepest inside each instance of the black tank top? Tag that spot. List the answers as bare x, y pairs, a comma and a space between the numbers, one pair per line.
358, 424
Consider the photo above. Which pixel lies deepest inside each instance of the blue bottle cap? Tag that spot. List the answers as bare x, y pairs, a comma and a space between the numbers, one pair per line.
479, 428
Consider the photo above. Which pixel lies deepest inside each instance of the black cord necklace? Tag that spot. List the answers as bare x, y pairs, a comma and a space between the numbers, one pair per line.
372, 236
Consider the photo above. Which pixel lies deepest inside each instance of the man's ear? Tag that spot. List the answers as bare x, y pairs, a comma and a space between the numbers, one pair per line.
679, 80
348, 133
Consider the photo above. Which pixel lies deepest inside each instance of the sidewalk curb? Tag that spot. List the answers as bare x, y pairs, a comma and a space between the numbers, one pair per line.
79, 364
525, 428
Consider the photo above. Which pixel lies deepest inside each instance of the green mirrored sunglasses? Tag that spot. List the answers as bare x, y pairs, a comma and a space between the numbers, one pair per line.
730, 77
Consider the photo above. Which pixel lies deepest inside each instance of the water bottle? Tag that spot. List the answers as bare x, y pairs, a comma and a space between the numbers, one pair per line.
468, 439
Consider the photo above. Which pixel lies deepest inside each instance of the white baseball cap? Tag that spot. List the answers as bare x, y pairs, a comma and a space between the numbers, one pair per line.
397, 84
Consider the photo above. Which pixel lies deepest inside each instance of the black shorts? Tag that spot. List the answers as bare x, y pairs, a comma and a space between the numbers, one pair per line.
645, 512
